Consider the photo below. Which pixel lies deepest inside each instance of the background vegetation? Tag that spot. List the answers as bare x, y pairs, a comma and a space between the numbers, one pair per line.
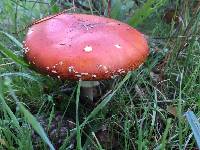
143, 110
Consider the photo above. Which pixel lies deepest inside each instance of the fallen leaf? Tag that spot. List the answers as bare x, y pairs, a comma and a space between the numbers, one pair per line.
172, 110
171, 15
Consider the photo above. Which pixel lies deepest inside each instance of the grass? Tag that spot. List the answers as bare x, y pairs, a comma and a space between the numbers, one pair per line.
144, 110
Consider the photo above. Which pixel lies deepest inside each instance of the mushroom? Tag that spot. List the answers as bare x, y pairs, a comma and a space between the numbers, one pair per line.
84, 47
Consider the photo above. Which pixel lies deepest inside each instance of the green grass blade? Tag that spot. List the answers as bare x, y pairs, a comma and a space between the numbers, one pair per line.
9, 111
179, 112
51, 117
164, 137
20, 74
36, 125
78, 135
98, 143
146, 10
195, 126
12, 38
54, 7
8, 53
116, 9
141, 143
193, 78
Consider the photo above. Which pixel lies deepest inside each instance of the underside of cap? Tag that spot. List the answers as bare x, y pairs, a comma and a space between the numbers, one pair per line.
86, 47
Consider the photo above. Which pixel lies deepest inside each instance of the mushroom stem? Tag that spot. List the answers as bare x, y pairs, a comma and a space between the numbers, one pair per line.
88, 89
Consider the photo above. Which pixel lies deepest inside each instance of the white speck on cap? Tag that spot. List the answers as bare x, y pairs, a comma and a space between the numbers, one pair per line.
141, 65
99, 66
30, 31
26, 50
94, 75
84, 73
103, 68
53, 71
71, 69
118, 46
78, 75
120, 70
114, 76
61, 63
88, 49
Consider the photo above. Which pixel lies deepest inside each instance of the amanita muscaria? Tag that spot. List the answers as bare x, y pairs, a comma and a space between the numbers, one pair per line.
84, 47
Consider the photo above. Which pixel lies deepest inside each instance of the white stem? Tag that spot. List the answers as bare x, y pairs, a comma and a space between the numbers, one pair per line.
89, 83
87, 89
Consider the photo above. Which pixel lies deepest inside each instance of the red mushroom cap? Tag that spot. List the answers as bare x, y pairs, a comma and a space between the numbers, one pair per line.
86, 47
